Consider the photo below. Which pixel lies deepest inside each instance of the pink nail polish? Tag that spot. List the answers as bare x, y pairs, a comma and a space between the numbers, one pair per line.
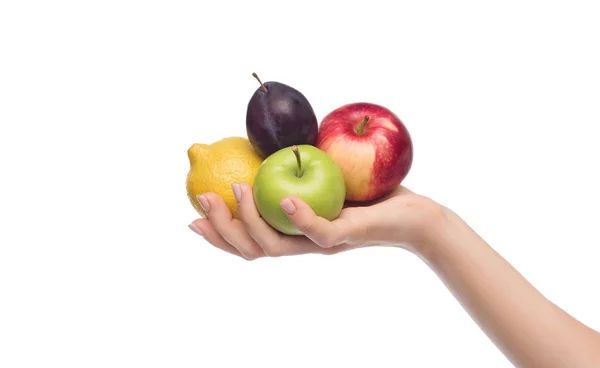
237, 191
203, 203
288, 206
196, 229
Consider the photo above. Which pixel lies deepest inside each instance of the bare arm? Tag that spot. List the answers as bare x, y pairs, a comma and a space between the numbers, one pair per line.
530, 330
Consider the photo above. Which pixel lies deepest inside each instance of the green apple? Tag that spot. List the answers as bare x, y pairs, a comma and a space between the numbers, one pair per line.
303, 171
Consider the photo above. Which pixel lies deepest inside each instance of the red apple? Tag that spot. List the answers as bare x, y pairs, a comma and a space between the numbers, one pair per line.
372, 147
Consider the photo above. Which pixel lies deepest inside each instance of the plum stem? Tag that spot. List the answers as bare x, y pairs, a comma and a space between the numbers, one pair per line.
361, 128
298, 160
259, 81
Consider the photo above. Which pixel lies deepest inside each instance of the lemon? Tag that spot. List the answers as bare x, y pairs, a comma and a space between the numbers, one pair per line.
214, 167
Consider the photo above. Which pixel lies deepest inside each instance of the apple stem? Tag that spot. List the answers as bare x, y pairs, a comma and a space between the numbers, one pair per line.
361, 128
259, 81
298, 160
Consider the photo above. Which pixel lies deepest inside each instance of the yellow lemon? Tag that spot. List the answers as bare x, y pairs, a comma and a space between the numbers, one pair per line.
214, 167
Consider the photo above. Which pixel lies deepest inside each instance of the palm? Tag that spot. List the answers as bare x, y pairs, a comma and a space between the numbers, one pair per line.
392, 204
251, 237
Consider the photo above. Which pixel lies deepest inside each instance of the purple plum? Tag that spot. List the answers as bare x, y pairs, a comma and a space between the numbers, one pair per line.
279, 116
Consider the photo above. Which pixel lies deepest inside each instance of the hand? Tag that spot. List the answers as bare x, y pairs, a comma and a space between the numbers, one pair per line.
399, 219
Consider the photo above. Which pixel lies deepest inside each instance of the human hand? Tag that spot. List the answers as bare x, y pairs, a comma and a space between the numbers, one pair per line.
401, 218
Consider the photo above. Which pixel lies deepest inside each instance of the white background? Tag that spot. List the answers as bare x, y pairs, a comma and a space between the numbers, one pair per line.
99, 102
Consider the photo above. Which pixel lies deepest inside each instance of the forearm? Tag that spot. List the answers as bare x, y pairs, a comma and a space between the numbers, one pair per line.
530, 330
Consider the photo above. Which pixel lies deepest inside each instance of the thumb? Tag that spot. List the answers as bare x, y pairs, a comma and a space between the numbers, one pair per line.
321, 231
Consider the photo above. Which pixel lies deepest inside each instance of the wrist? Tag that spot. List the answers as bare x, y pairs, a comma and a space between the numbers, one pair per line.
444, 236
431, 224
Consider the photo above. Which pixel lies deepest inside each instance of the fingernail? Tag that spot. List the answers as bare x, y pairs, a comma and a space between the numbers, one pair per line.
196, 229
237, 192
288, 206
203, 203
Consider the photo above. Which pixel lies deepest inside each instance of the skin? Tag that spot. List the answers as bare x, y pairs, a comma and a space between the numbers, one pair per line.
530, 330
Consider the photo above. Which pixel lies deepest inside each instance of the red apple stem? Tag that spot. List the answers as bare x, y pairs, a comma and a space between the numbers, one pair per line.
298, 160
259, 81
361, 128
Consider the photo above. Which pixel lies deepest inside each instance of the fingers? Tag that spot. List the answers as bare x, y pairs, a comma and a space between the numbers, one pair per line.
252, 237
229, 228
273, 243
204, 228
323, 232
